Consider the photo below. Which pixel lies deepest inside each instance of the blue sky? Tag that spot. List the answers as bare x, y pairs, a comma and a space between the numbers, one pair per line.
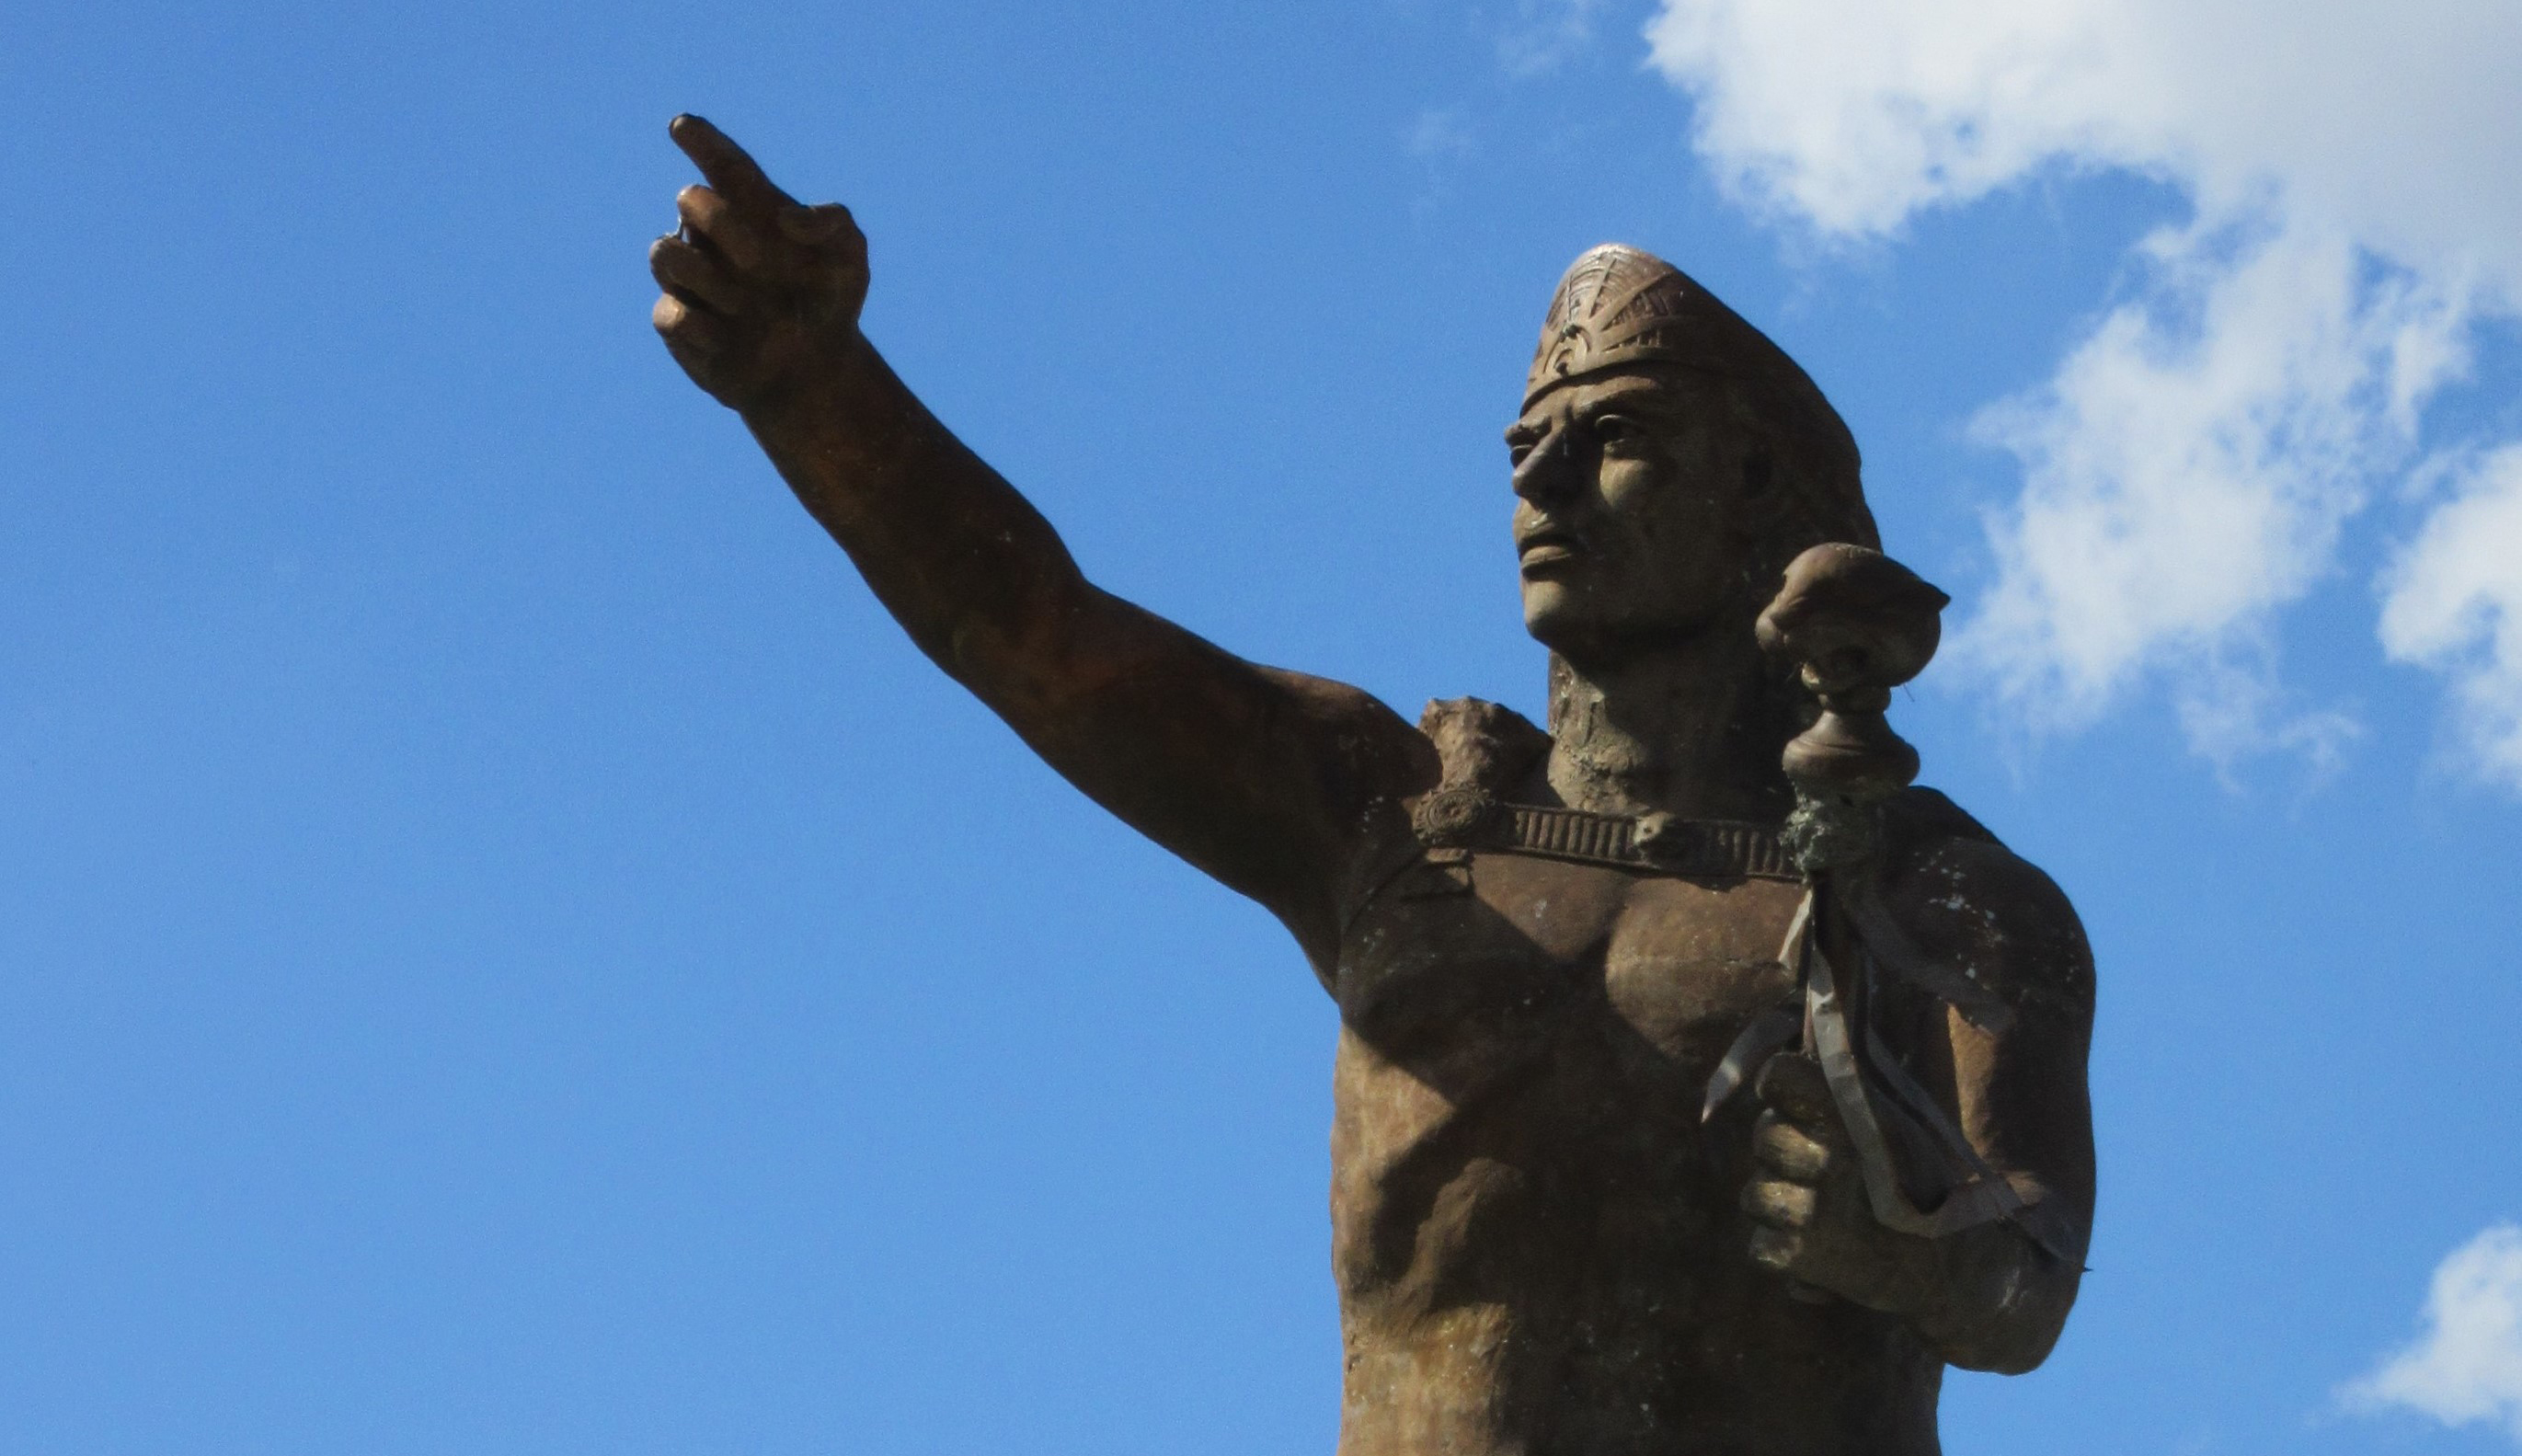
506, 949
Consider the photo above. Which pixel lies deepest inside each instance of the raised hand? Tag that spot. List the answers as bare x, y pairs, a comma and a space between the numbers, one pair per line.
760, 289
1808, 1199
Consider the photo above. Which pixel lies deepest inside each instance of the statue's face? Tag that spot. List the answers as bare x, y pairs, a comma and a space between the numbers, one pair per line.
1629, 516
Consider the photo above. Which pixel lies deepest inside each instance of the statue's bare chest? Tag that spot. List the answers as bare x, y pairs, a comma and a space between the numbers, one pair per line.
1526, 1047
1472, 959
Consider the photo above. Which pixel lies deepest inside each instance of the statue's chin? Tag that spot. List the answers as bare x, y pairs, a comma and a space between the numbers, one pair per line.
1558, 618
1594, 635
1543, 602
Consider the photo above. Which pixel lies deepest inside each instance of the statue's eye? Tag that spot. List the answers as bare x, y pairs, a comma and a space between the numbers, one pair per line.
1617, 429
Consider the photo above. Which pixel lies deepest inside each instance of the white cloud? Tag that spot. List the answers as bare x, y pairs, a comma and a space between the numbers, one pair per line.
1851, 116
2191, 463
2453, 600
2388, 120
2467, 1365
2190, 468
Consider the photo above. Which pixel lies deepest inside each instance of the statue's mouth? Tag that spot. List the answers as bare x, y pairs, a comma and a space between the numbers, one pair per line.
1546, 548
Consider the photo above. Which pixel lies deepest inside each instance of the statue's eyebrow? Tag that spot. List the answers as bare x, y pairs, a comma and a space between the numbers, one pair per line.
1525, 432
1646, 402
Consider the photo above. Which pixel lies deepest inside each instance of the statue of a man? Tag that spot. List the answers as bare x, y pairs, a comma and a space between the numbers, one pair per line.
1550, 1233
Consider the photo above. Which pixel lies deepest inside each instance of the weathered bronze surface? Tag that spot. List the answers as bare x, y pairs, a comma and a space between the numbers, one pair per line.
1555, 1229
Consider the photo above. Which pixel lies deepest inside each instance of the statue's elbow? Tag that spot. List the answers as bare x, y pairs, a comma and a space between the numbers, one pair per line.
2014, 1332
2015, 1351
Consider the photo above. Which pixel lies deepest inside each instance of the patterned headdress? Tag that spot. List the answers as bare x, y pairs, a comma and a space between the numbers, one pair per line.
1619, 306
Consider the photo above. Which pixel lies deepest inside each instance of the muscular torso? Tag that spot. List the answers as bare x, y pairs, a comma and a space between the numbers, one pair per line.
1536, 1243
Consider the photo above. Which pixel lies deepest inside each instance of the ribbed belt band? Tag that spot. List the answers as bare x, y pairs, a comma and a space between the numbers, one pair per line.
1657, 843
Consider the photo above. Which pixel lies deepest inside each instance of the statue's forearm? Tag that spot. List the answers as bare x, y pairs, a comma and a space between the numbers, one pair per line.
1998, 1295
964, 562
1213, 758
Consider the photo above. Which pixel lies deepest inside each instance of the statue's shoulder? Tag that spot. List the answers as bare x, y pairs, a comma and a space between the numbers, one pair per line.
1916, 817
1962, 892
1483, 745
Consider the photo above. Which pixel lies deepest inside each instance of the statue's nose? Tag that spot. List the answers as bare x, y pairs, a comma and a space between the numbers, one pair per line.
1548, 470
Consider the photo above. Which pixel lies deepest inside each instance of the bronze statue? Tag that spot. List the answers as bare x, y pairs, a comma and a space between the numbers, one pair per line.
1558, 957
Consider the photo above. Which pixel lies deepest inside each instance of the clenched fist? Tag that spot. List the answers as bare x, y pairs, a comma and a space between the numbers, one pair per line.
760, 288
1808, 1199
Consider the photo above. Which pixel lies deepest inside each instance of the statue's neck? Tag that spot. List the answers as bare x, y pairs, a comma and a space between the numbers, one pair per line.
1693, 731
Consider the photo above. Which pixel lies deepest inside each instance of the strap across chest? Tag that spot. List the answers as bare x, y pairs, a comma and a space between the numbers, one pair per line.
1462, 818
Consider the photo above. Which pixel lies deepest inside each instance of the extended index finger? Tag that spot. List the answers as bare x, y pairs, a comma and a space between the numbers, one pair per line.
731, 174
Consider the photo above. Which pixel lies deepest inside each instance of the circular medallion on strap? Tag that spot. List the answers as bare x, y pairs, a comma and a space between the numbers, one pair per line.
1452, 816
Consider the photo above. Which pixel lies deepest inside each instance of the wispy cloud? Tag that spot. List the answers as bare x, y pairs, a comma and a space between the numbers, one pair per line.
1439, 135
1546, 34
1440, 139
2453, 601
2193, 464
2466, 1367
2188, 470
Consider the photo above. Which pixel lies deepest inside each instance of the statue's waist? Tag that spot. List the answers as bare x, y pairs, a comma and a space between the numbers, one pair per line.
1483, 1229
1640, 1369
